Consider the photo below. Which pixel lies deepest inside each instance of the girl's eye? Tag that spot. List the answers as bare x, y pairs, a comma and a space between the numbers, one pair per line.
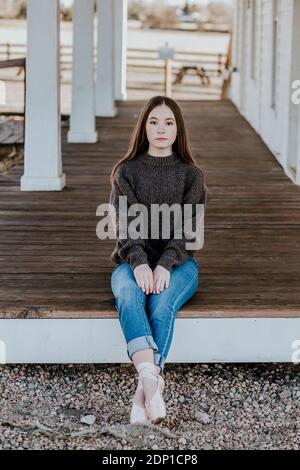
154, 122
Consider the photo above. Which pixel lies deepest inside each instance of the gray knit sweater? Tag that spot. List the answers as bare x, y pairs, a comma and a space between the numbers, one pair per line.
147, 180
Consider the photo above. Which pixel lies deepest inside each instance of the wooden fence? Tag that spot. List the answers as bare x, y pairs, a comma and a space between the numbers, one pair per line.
142, 64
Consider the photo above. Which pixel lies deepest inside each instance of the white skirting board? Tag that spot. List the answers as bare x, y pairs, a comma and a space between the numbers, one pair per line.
195, 340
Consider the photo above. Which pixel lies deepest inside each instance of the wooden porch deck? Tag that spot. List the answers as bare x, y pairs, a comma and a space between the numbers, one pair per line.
54, 266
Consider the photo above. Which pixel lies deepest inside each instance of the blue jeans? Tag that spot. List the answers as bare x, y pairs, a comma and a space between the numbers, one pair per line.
147, 320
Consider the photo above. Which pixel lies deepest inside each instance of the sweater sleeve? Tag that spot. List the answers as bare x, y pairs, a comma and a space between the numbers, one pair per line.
132, 251
176, 250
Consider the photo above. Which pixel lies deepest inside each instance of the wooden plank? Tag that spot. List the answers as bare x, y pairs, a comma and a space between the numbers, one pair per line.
54, 266
13, 63
232, 311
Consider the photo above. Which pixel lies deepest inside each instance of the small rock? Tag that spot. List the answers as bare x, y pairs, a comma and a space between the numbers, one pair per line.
202, 417
235, 404
88, 419
72, 412
31, 386
182, 440
285, 394
208, 447
205, 407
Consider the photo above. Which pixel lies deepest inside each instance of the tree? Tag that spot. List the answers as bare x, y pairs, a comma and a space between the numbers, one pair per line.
186, 9
11, 8
136, 9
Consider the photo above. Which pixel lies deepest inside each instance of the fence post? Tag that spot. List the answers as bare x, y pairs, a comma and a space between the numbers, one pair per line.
168, 76
227, 70
220, 64
167, 53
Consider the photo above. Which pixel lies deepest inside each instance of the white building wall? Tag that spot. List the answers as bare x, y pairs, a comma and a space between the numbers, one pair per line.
268, 113
283, 77
297, 154
268, 125
252, 70
293, 144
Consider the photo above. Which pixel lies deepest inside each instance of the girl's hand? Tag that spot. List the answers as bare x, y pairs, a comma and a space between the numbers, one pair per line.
144, 277
161, 279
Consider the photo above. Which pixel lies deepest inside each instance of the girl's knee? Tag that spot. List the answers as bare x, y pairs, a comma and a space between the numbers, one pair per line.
129, 292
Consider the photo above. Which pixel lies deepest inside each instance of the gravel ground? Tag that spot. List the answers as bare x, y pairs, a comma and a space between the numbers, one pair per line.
209, 406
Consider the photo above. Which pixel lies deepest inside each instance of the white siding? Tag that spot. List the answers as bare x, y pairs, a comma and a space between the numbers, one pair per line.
293, 144
297, 155
268, 125
283, 93
251, 108
278, 125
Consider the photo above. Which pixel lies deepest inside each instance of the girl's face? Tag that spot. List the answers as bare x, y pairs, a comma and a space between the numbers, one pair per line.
161, 130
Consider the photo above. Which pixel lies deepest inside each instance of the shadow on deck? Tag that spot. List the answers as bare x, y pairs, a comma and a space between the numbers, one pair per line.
54, 266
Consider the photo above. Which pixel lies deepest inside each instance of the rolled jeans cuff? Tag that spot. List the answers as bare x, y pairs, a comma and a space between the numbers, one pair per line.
142, 342
159, 360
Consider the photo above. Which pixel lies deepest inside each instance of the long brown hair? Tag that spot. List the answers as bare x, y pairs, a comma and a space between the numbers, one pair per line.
138, 140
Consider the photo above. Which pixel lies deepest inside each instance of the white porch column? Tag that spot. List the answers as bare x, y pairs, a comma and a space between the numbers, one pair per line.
43, 164
82, 119
105, 90
120, 48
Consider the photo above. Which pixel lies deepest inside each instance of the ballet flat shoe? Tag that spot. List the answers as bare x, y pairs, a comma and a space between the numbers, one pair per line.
138, 414
156, 408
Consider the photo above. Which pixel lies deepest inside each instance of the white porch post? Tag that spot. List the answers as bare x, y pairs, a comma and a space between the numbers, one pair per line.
120, 48
243, 47
105, 90
43, 164
82, 119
